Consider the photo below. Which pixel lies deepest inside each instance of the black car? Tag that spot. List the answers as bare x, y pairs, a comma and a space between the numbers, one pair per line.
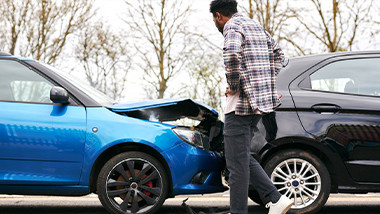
325, 137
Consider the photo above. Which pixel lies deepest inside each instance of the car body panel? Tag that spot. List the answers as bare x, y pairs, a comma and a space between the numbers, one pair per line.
51, 190
114, 129
348, 122
342, 129
41, 143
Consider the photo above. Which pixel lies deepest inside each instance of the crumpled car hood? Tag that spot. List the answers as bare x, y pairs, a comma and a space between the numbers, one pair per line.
166, 110
171, 111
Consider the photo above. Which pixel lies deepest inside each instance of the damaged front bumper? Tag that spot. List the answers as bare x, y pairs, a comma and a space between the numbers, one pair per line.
198, 171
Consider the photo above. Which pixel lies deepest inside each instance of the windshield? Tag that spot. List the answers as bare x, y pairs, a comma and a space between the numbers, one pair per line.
92, 92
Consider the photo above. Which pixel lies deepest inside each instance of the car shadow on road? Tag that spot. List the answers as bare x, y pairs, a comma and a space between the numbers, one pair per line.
95, 209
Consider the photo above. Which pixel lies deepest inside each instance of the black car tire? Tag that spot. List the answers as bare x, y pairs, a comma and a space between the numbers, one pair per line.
298, 183
144, 191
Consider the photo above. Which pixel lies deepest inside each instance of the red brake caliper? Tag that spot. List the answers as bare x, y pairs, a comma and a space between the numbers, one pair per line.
149, 184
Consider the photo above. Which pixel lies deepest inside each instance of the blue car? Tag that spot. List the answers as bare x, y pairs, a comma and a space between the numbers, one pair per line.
60, 137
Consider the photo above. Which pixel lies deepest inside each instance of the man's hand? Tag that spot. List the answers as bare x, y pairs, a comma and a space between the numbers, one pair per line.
229, 92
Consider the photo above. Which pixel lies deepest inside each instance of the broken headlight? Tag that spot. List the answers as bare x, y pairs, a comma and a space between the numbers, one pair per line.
192, 137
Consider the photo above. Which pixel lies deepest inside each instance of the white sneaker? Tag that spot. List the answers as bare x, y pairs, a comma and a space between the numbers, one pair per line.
281, 207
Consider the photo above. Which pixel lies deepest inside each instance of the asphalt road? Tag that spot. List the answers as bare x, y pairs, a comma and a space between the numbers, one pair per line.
337, 204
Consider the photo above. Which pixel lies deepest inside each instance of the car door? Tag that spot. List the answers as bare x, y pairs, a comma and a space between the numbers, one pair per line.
40, 142
338, 102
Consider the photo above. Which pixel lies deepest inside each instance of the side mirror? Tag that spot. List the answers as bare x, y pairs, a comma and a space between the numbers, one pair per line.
59, 95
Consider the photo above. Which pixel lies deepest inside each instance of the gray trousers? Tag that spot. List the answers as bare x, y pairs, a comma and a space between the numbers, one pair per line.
244, 169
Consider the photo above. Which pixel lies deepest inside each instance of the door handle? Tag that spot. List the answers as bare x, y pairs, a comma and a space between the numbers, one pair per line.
326, 108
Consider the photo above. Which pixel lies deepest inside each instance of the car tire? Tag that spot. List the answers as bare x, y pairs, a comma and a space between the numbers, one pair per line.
310, 184
143, 191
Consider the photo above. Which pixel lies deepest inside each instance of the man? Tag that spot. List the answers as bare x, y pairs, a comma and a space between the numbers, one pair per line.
252, 60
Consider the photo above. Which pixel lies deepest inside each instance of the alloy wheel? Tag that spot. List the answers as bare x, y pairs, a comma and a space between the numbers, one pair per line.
299, 180
134, 186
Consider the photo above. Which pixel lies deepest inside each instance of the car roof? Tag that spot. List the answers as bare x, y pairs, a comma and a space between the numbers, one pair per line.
324, 56
7, 55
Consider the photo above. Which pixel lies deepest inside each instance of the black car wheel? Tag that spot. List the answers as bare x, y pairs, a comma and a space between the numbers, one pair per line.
300, 176
132, 182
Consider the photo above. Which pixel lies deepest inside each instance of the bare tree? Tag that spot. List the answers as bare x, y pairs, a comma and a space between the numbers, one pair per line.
273, 15
207, 79
41, 29
104, 55
14, 18
377, 23
335, 24
160, 39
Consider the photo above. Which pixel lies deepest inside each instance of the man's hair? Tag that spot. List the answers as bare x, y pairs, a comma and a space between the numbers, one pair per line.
224, 7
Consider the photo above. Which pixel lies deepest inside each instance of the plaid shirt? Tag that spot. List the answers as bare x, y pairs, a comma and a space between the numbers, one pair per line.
252, 59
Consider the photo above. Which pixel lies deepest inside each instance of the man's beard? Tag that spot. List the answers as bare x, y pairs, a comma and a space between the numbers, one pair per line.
220, 28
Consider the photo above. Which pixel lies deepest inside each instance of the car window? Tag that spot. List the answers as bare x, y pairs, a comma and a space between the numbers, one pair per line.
95, 94
19, 83
356, 76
